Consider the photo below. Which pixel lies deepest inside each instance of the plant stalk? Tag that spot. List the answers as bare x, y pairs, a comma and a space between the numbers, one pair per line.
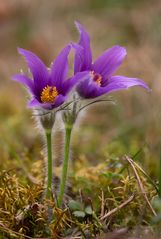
160, 176
68, 130
49, 163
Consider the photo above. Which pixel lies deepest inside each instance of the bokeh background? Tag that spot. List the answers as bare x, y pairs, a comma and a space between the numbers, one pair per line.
132, 126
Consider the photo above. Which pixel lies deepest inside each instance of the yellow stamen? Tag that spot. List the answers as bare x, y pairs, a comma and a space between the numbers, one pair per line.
97, 78
98, 81
49, 94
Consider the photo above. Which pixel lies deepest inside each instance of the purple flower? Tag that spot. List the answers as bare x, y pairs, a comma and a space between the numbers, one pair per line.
101, 80
49, 87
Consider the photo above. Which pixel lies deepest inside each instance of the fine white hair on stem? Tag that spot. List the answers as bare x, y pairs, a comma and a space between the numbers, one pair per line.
44, 122
41, 132
61, 159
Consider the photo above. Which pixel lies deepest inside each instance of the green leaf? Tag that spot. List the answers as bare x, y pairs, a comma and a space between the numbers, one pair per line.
79, 214
88, 210
75, 205
157, 219
157, 204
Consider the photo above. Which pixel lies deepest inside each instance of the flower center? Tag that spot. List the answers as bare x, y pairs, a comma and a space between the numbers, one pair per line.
49, 94
97, 78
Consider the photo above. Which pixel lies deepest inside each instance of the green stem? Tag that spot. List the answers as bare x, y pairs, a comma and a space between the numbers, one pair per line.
68, 130
160, 176
49, 163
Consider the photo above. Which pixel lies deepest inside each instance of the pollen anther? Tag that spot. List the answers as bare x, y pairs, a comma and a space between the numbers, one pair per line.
49, 94
97, 78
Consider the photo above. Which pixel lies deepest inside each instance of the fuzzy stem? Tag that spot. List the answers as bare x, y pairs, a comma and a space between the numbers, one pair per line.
49, 163
160, 177
68, 130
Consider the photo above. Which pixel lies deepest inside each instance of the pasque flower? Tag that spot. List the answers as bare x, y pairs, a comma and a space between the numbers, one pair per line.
101, 80
49, 87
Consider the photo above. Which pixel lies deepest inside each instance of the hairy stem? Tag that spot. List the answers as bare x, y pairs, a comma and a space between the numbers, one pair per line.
49, 163
160, 177
68, 130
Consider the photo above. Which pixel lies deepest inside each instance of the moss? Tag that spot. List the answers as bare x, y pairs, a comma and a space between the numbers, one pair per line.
99, 189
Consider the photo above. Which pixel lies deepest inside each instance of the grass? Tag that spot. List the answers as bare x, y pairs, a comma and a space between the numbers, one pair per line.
118, 201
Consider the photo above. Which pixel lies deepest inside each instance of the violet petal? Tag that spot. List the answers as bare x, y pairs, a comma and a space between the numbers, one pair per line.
84, 41
109, 61
34, 103
117, 83
25, 81
70, 83
79, 57
59, 68
37, 67
127, 82
88, 89
60, 99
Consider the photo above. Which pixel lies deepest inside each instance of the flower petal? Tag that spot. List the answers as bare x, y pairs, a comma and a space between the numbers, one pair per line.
60, 99
121, 83
34, 103
37, 67
79, 57
70, 83
127, 82
86, 56
25, 81
89, 89
109, 61
59, 68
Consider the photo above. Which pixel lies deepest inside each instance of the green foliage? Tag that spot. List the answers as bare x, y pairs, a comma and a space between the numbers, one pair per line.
157, 205
75, 205
79, 210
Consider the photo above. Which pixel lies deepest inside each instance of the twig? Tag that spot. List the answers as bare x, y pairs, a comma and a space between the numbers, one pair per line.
118, 208
102, 204
140, 184
146, 175
17, 233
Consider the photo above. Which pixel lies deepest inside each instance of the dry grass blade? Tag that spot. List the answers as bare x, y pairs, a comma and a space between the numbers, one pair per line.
146, 175
7, 230
102, 204
140, 184
117, 208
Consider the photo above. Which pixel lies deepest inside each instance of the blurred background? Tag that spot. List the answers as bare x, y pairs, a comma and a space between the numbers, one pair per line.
132, 126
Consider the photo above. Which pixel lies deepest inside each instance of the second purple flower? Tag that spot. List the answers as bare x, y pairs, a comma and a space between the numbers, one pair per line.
101, 80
